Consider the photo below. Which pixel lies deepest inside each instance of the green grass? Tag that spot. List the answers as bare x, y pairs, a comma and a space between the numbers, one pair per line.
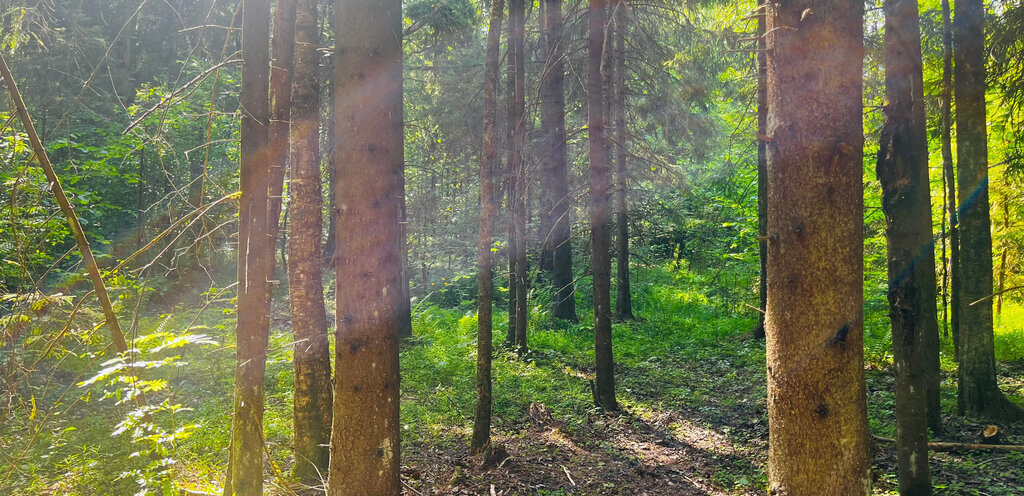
683, 355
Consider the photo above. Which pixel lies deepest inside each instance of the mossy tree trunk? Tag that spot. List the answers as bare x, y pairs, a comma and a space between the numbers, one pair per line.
485, 281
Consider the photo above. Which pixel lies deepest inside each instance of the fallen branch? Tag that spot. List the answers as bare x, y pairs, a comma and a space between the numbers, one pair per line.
65, 206
948, 447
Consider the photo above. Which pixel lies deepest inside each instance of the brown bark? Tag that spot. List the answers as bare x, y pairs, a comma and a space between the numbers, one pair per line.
816, 394
762, 168
556, 248
280, 107
517, 173
369, 160
949, 178
902, 170
978, 392
312, 355
600, 209
623, 299
255, 256
485, 281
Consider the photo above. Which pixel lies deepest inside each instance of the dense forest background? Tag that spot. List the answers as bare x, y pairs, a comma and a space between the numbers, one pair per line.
138, 105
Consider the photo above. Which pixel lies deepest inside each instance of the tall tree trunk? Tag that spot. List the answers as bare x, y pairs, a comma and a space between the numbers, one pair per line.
762, 168
280, 108
555, 214
312, 354
255, 255
623, 300
517, 186
511, 121
978, 393
369, 160
330, 247
485, 281
902, 170
600, 209
949, 178
816, 395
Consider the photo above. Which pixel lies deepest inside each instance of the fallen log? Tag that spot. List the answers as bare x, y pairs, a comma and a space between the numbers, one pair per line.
953, 447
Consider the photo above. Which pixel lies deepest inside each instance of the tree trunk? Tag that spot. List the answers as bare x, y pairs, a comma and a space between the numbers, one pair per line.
255, 255
555, 214
762, 169
902, 170
600, 209
1001, 288
510, 184
280, 108
949, 177
816, 394
369, 160
623, 299
978, 395
485, 281
312, 355
517, 185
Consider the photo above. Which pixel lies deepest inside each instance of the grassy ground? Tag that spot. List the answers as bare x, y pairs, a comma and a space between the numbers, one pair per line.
692, 391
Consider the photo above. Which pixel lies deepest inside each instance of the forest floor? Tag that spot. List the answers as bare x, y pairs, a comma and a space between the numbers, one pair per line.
691, 387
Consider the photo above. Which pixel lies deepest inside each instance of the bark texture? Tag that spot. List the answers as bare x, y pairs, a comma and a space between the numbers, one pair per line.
816, 394
623, 299
556, 245
485, 281
312, 355
762, 170
517, 172
255, 256
369, 161
280, 105
600, 209
902, 169
978, 392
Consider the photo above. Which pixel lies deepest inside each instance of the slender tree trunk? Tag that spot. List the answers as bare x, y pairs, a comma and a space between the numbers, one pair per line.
280, 107
600, 209
1002, 261
369, 159
816, 395
902, 169
979, 395
330, 247
762, 168
623, 300
312, 355
485, 281
555, 213
53, 182
511, 120
255, 255
517, 191
949, 177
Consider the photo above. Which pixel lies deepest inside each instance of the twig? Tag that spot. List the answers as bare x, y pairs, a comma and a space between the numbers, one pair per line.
566, 474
